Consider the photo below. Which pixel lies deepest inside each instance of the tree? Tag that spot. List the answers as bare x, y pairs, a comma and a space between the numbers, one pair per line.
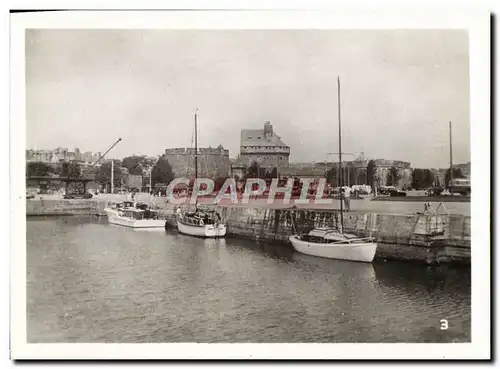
371, 174
253, 171
331, 176
162, 172
361, 176
273, 173
457, 173
71, 170
393, 176
134, 164
103, 174
422, 178
350, 176
37, 169
219, 182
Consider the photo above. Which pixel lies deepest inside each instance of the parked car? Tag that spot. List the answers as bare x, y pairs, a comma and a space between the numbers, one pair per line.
31, 193
386, 190
397, 193
73, 196
435, 191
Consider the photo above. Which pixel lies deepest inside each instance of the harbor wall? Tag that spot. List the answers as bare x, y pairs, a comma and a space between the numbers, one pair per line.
430, 238
427, 238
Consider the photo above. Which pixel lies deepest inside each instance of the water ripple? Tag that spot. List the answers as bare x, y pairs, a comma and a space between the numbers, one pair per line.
90, 282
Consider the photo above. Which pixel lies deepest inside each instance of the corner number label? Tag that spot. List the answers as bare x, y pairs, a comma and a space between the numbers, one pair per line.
444, 324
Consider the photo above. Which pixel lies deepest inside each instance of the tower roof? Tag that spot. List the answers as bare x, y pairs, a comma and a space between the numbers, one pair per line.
257, 137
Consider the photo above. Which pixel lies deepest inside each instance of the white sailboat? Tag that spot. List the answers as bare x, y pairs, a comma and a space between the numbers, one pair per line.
333, 243
137, 216
199, 223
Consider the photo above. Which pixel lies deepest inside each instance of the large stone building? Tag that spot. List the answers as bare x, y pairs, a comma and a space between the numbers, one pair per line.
61, 155
440, 174
212, 163
464, 168
384, 169
264, 147
354, 172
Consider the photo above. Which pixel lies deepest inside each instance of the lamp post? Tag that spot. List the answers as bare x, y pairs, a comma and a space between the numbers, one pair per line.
153, 163
112, 176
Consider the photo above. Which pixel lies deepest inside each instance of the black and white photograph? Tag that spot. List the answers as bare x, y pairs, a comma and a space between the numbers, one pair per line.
269, 180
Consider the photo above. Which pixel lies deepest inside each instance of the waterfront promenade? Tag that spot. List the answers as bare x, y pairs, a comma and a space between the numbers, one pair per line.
430, 237
365, 205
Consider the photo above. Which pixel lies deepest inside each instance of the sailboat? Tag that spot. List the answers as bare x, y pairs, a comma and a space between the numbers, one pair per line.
200, 223
333, 243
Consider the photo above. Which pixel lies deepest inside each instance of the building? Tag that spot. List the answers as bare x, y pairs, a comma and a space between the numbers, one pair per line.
354, 171
212, 163
440, 174
384, 171
133, 181
464, 168
264, 147
61, 155
303, 170
238, 168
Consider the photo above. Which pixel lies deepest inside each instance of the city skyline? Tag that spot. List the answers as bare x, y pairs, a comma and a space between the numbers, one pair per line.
399, 90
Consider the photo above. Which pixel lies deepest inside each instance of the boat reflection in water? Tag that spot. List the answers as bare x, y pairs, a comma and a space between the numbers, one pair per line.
363, 271
117, 285
213, 243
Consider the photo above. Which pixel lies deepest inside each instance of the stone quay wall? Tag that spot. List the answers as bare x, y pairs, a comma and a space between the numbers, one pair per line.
429, 238
425, 238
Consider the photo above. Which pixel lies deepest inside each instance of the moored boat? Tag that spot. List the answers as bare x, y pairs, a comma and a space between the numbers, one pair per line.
132, 215
332, 244
201, 223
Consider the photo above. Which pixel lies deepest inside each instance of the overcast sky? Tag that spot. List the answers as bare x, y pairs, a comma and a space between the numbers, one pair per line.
86, 88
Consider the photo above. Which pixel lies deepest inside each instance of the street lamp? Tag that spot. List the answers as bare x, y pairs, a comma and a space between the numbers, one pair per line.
153, 163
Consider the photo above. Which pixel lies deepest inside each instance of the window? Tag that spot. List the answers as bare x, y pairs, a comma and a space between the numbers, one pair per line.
258, 138
249, 137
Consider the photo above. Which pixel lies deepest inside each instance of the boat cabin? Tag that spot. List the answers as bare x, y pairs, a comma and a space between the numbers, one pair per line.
332, 235
138, 214
202, 218
139, 211
124, 205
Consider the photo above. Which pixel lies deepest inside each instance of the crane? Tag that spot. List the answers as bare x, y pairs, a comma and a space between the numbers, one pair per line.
108, 150
112, 164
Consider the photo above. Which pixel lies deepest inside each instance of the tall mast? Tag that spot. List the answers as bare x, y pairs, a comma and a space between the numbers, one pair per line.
451, 157
340, 159
196, 152
112, 176
196, 144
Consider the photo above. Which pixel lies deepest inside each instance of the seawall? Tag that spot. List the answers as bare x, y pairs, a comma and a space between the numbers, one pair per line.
431, 238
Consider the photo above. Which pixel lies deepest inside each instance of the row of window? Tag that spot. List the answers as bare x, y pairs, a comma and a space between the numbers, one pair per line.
271, 148
272, 157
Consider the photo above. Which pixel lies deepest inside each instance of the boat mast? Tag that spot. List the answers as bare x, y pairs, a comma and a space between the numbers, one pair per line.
340, 159
196, 144
451, 159
195, 150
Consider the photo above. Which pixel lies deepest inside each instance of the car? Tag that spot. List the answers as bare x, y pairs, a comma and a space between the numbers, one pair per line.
435, 191
397, 193
73, 196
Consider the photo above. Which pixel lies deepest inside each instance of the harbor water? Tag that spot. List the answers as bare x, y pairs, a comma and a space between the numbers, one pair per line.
88, 281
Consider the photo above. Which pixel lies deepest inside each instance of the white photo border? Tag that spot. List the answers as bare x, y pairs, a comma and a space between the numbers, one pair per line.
475, 21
